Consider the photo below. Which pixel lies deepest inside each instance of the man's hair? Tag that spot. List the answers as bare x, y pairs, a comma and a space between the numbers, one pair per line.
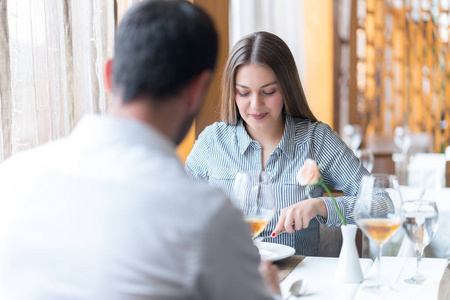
160, 46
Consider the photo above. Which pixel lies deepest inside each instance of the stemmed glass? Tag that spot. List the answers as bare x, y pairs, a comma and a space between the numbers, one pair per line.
252, 194
366, 157
402, 138
420, 221
352, 136
377, 213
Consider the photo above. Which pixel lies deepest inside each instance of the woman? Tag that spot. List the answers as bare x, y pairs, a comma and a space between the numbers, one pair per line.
268, 125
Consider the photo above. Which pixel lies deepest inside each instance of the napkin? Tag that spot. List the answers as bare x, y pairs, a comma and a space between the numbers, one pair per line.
444, 285
288, 264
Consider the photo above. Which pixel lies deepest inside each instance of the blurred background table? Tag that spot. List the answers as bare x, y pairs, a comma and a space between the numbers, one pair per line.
427, 169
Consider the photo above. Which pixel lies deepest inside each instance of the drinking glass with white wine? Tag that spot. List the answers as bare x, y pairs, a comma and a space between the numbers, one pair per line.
377, 213
252, 194
420, 221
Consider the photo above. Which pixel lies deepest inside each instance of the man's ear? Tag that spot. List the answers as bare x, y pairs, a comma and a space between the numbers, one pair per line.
197, 90
108, 75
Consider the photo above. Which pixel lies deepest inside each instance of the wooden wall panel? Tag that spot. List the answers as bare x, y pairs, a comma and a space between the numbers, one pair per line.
402, 77
218, 10
318, 43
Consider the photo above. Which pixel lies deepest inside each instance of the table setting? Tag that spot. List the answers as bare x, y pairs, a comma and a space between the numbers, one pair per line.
439, 247
380, 212
395, 277
319, 273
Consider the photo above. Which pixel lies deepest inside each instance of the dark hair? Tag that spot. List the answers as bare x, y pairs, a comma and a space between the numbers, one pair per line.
264, 48
160, 46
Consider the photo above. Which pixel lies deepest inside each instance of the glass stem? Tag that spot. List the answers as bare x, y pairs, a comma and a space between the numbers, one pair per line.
419, 258
380, 250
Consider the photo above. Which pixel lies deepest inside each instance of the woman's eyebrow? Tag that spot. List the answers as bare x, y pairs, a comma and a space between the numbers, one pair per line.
266, 85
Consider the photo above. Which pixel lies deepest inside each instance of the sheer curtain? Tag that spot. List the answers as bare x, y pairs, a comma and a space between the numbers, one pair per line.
282, 17
52, 54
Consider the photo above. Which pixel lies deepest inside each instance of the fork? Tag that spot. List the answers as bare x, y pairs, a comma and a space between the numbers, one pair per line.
258, 240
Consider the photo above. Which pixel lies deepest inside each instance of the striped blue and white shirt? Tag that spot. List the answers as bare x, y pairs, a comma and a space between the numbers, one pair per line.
222, 150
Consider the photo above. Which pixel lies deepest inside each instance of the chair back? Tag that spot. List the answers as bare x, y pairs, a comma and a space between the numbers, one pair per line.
330, 241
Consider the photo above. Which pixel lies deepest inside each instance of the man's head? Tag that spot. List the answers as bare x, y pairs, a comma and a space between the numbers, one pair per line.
161, 48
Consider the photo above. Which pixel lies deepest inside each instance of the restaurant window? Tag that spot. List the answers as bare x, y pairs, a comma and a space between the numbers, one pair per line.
52, 55
51, 58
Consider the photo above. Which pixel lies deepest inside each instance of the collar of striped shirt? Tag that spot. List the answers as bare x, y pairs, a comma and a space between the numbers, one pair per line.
286, 145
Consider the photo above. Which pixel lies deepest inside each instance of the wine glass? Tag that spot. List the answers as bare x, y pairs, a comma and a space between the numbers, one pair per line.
377, 213
252, 194
352, 136
420, 221
402, 138
366, 157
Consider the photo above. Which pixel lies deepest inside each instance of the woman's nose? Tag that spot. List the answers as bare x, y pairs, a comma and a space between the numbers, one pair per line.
256, 101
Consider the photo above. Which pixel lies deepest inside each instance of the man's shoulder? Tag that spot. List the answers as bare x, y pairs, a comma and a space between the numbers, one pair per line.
200, 190
185, 196
34, 157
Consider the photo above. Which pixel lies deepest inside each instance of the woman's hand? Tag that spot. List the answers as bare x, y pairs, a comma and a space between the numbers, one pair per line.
297, 216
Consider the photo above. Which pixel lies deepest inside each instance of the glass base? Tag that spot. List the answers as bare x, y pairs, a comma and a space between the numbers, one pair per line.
419, 279
376, 287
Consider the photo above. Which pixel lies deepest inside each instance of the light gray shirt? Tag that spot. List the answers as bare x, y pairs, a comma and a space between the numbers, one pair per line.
222, 150
109, 213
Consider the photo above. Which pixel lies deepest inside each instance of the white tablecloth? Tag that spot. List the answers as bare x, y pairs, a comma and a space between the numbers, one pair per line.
394, 271
320, 273
427, 169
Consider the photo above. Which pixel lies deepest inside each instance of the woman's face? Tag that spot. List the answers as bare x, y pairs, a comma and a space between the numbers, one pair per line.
259, 99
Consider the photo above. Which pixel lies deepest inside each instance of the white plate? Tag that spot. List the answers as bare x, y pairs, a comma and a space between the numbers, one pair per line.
273, 252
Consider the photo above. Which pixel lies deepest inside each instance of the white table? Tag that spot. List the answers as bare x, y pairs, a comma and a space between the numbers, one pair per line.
320, 272
427, 169
394, 270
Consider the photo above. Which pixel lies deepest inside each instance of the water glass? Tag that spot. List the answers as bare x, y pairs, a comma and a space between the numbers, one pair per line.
366, 157
402, 138
420, 221
352, 136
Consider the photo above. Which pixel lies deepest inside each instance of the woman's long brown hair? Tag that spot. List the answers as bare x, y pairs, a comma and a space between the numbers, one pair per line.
264, 48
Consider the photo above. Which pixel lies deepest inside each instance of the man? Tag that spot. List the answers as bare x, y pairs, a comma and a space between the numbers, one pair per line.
108, 213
